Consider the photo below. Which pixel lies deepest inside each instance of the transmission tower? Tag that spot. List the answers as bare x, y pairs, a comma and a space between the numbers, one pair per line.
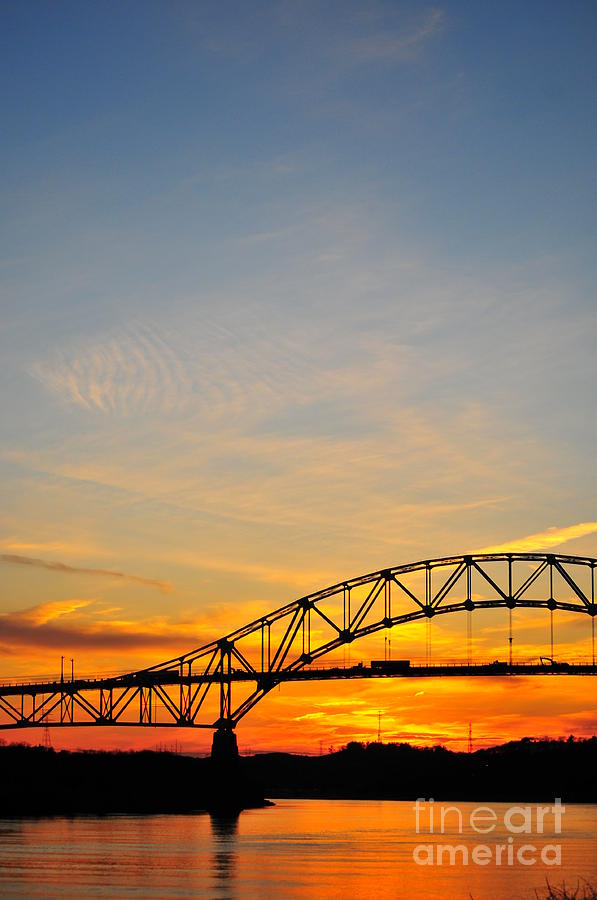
47, 740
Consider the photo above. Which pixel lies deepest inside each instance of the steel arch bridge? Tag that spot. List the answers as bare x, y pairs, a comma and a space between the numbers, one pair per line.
196, 689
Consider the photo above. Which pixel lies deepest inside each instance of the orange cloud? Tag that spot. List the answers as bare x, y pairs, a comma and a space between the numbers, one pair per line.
53, 609
70, 548
543, 540
37, 628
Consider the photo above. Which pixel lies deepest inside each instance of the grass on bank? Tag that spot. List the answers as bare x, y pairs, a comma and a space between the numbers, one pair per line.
583, 891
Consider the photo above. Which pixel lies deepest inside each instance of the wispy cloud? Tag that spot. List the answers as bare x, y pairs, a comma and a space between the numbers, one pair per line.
543, 540
385, 46
259, 572
55, 566
294, 427
260, 237
71, 548
43, 613
128, 371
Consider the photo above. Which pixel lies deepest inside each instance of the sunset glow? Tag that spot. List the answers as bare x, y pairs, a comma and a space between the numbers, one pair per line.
283, 304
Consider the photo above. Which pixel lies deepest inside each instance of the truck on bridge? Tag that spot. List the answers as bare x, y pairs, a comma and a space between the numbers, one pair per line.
390, 666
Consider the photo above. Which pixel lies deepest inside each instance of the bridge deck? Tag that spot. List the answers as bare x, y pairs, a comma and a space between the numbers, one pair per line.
172, 677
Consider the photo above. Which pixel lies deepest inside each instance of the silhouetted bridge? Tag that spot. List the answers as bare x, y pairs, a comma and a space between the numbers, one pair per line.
196, 689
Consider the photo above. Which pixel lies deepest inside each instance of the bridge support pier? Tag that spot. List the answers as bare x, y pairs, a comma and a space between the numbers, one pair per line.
230, 790
224, 746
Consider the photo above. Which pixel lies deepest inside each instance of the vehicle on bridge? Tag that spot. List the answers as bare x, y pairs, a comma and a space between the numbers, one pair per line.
499, 665
553, 664
390, 666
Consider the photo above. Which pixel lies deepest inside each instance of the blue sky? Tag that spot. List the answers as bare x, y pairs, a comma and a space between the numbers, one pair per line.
290, 291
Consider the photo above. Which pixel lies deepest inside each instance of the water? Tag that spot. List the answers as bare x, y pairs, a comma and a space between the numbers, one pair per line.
298, 849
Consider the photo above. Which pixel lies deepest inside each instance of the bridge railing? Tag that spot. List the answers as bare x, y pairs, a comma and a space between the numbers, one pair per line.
55, 678
415, 662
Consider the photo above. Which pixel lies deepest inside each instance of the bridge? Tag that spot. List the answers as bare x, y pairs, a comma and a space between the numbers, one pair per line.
216, 685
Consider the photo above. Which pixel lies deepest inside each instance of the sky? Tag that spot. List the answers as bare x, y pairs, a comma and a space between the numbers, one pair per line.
290, 292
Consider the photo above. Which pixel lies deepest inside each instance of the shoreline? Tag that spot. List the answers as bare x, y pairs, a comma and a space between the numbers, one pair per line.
44, 782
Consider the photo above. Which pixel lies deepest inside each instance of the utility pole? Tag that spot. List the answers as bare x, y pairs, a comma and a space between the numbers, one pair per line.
551, 632
470, 737
379, 726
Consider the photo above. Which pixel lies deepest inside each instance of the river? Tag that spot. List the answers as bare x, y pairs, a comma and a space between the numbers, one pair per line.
296, 849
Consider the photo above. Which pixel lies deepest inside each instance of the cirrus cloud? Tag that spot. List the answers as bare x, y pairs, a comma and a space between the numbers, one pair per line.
543, 540
53, 566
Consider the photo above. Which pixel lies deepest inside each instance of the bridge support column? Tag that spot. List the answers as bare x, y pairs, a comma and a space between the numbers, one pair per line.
230, 790
224, 747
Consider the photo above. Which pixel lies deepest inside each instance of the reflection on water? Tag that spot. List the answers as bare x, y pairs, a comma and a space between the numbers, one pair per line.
298, 849
224, 831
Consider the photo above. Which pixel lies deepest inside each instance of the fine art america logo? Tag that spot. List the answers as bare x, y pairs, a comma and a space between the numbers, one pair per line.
510, 845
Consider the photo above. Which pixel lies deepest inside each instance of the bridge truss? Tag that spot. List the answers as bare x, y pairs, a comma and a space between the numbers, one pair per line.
216, 685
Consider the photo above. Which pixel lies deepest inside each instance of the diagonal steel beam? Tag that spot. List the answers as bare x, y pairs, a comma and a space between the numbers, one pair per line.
571, 583
449, 584
531, 579
490, 580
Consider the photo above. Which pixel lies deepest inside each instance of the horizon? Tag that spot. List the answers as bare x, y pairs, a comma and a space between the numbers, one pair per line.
174, 750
